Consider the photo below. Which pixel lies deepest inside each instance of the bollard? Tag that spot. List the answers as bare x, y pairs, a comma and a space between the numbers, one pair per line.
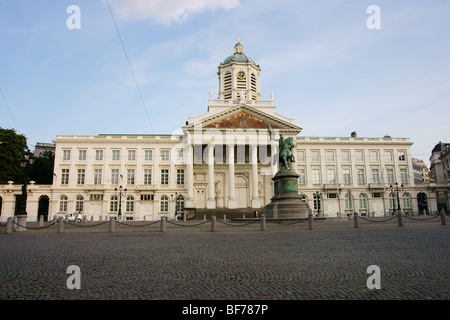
356, 222
310, 221
41, 221
163, 224
21, 223
213, 224
112, 224
204, 217
15, 223
9, 225
225, 218
263, 222
400, 219
60, 225
443, 218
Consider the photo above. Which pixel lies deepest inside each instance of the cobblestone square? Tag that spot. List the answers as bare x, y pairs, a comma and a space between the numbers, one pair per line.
238, 262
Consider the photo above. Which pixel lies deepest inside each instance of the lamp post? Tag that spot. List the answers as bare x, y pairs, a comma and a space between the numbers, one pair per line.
397, 190
26, 162
317, 196
120, 194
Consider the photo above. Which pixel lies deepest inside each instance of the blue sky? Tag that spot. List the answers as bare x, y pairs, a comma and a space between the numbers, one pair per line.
326, 68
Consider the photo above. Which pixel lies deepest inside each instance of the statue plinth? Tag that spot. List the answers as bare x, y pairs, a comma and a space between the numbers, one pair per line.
286, 202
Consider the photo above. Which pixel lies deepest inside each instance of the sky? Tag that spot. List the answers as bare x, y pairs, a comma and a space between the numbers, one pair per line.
88, 67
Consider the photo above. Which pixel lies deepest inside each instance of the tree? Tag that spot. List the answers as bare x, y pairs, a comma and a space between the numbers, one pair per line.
42, 169
12, 149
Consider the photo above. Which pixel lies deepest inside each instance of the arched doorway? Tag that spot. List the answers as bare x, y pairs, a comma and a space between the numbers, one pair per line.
43, 207
422, 203
242, 195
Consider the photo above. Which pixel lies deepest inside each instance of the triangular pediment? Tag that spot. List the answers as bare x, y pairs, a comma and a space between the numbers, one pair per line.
244, 117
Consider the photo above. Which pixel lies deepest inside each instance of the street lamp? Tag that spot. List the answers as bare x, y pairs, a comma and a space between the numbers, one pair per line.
317, 196
26, 162
120, 194
397, 190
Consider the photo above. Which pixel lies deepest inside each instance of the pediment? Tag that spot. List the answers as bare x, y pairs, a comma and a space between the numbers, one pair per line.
241, 120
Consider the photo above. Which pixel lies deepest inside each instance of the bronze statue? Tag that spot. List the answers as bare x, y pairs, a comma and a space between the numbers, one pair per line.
285, 152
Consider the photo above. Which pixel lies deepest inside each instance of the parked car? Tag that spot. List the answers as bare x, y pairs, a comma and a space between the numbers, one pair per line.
74, 217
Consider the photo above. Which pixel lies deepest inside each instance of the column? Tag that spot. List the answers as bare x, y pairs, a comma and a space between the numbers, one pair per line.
190, 178
211, 201
255, 203
232, 204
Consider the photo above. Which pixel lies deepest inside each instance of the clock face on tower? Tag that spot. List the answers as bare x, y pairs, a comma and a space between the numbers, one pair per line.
241, 75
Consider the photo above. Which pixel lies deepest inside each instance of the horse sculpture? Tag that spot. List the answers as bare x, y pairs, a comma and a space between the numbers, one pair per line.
285, 153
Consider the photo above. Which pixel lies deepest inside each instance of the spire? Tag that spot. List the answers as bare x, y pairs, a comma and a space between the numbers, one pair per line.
239, 48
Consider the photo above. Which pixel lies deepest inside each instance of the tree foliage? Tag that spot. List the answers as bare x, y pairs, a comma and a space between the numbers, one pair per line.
12, 149
42, 170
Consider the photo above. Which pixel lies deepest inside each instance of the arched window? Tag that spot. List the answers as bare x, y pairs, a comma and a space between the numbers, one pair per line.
164, 204
63, 204
130, 204
79, 204
180, 204
392, 201
406, 201
114, 204
362, 201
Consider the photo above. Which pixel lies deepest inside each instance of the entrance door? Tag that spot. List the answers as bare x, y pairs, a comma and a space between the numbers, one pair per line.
200, 198
242, 191
422, 203
43, 207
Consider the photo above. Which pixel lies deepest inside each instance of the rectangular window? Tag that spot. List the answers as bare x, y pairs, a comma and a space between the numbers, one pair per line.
131, 155
180, 177
148, 176
148, 155
80, 176
390, 175
315, 176
81, 154
330, 156
164, 176
404, 175
389, 155
66, 154
99, 155
65, 176
130, 176
346, 156
164, 155
301, 156
331, 176
114, 176
359, 155
361, 178
302, 177
116, 155
401, 155
346, 175
376, 176
98, 176
315, 155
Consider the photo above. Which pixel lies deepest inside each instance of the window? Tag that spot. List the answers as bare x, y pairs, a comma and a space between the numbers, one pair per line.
66, 154
363, 201
346, 174
317, 202
301, 156
302, 177
392, 201
116, 155
330, 156
375, 176
131, 155
114, 176
180, 177
81, 154
148, 155
390, 175
164, 204
401, 155
80, 176
180, 155
164, 155
315, 155
180, 204
79, 204
346, 156
65, 176
404, 175
63, 204
406, 201
147, 197
98, 176
361, 178
130, 204
99, 155
165, 176
315, 176
331, 176
348, 202
360, 155
114, 204
148, 176
130, 176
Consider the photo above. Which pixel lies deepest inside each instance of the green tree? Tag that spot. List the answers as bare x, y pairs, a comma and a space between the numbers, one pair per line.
12, 149
42, 169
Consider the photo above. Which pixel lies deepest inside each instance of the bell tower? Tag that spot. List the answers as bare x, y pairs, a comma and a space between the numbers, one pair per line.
239, 76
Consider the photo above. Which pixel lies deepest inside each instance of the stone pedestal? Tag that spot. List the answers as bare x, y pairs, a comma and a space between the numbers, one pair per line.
286, 202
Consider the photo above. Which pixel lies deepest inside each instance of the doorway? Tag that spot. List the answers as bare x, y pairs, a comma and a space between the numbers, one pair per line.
43, 207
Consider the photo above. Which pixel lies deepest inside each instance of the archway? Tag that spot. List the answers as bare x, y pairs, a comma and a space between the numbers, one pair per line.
242, 192
422, 203
43, 207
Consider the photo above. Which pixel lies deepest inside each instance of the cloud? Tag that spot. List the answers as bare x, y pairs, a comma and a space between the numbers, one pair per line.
167, 11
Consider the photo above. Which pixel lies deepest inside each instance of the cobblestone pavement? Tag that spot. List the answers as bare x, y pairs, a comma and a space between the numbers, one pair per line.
239, 261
